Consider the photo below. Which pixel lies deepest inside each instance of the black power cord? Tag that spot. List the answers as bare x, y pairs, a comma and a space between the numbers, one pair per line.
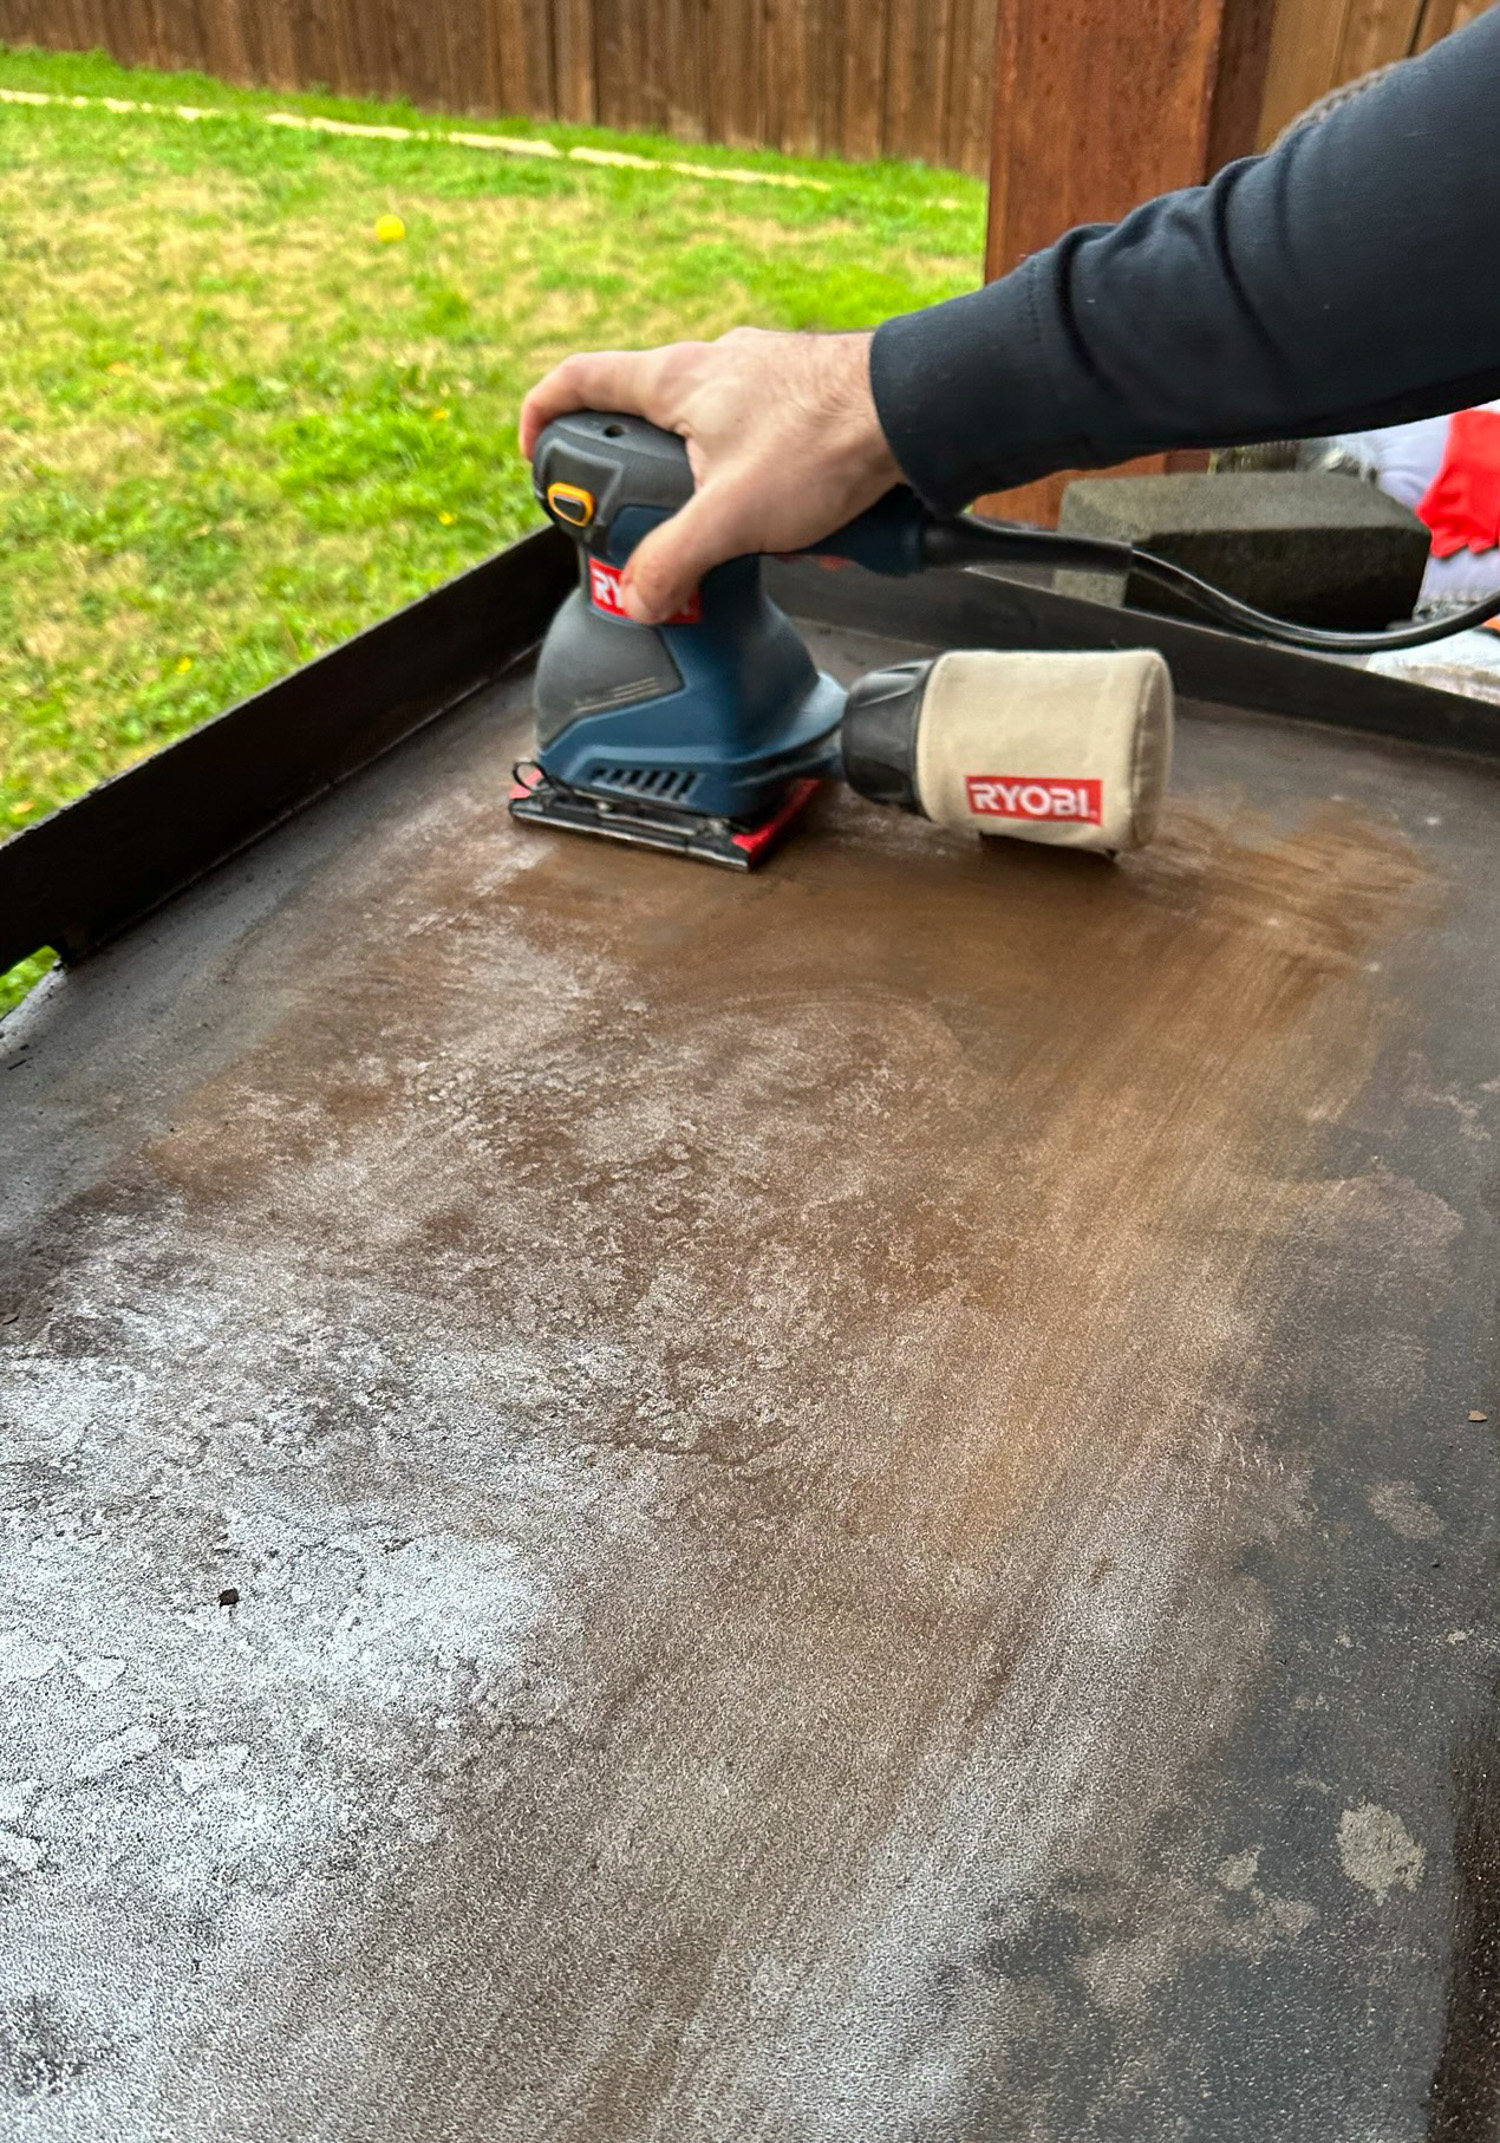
964, 541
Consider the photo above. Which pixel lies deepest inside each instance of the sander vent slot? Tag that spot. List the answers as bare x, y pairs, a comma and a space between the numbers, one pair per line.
663, 784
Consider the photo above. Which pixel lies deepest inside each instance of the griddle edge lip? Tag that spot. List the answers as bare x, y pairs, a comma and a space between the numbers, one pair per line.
125, 848
106, 861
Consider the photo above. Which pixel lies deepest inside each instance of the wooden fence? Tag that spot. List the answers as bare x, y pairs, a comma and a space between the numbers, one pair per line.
1318, 44
856, 78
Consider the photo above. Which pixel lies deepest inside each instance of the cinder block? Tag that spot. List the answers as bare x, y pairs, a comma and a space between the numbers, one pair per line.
1324, 550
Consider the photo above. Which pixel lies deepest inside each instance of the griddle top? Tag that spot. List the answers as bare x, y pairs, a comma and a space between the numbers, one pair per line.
839, 1505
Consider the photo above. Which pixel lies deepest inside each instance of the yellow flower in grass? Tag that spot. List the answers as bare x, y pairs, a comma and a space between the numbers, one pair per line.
184, 664
390, 230
447, 519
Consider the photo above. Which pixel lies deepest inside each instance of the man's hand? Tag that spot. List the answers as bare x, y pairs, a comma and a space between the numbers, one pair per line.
781, 432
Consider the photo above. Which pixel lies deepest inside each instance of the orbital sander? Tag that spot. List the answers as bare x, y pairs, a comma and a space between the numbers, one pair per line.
706, 735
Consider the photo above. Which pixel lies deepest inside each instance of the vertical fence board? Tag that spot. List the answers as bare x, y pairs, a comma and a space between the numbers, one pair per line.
1376, 32
713, 33
950, 118
477, 89
653, 98
317, 45
916, 78
539, 79
903, 25
684, 69
618, 58
573, 72
356, 42
803, 40
771, 61
222, 51
130, 20
1240, 85
121, 36
503, 87
177, 32
732, 71
416, 51
1304, 59
450, 26
234, 42
980, 117
714, 64
864, 78
283, 52
770, 64
83, 33
827, 66
248, 33
1436, 21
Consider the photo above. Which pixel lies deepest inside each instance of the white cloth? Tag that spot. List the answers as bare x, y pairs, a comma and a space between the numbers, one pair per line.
1404, 460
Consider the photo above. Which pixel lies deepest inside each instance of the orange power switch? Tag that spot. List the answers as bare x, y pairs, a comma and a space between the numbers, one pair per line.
571, 503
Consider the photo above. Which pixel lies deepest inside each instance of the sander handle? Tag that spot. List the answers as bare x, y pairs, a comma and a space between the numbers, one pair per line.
898, 535
892, 536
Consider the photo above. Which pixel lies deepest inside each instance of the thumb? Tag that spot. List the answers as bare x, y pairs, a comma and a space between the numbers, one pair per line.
666, 566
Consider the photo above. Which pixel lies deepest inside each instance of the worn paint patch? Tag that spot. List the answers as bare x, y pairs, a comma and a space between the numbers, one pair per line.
1237, 1871
1403, 1510
1377, 1851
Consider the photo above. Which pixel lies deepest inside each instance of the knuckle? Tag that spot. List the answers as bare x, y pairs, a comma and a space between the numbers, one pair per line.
675, 365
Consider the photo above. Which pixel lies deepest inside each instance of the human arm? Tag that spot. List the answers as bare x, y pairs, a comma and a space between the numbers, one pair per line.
1344, 279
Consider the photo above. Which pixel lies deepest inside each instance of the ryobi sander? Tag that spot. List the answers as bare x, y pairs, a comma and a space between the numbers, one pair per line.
706, 735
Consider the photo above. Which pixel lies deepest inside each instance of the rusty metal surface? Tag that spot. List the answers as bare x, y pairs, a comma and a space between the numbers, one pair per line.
832, 1506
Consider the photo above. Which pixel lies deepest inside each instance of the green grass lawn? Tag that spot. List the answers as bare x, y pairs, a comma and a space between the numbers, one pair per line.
235, 426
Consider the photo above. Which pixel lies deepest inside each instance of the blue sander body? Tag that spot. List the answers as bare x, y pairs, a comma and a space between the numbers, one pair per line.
706, 734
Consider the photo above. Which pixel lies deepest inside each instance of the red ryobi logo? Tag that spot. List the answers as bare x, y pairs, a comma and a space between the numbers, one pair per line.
604, 587
1033, 796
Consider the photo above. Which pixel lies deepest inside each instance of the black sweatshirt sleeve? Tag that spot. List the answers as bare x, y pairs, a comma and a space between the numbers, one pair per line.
1350, 277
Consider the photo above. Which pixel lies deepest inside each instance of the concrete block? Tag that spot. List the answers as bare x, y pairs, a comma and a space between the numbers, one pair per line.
1324, 550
